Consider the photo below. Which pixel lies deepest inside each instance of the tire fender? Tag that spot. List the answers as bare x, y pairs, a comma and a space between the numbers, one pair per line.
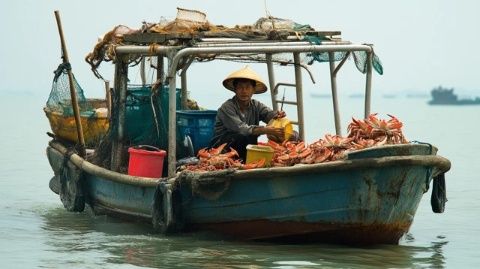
165, 209
71, 187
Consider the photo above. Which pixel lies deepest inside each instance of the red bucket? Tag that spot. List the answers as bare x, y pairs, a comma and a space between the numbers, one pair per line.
146, 161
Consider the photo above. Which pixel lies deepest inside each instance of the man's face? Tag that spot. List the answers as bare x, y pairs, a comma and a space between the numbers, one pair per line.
244, 90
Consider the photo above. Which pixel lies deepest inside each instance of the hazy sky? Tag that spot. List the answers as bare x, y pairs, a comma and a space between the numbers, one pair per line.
420, 43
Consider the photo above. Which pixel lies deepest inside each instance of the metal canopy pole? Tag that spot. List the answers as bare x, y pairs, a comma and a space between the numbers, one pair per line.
108, 98
120, 85
184, 86
299, 91
271, 81
341, 63
368, 84
184, 92
333, 83
241, 49
160, 75
142, 72
172, 119
145, 50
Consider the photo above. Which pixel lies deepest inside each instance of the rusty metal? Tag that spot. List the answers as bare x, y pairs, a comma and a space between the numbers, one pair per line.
354, 233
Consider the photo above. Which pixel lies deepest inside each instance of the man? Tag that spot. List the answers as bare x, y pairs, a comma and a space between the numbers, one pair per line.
237, 122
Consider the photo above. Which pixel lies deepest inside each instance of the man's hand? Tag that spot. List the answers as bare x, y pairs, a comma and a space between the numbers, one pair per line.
280, 114
277, 132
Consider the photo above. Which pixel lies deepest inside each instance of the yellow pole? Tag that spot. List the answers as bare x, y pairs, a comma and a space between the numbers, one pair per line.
73, 96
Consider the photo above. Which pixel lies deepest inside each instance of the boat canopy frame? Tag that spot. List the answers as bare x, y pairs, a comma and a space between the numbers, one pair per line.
185, 55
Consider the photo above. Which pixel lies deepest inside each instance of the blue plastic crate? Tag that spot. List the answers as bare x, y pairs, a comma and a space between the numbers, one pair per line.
198, 125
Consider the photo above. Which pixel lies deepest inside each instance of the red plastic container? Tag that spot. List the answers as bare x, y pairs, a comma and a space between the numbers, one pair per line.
146, 161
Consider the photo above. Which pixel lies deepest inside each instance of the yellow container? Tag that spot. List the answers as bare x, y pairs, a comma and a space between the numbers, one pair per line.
257, 152
94, 127
282, 123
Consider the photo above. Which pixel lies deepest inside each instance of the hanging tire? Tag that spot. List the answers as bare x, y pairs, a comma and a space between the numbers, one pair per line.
439, 194
71, 187
54, 184
166, 209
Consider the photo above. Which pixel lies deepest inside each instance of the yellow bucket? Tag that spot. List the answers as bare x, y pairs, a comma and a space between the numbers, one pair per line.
282, 123
257, 152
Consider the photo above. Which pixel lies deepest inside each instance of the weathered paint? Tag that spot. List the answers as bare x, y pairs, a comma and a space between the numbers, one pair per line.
129, 199
314, 204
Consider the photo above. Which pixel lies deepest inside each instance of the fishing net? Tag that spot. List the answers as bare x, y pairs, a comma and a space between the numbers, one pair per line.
146, 116
60, 100
60, 113
146, 122
359, 57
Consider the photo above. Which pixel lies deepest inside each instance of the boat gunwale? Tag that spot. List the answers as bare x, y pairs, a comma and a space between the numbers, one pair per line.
440, 164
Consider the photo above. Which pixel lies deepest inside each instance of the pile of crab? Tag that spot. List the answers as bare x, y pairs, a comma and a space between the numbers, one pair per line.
219, 158
362, 134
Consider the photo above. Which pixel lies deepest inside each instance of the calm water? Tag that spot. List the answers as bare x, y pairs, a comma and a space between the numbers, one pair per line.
35, 230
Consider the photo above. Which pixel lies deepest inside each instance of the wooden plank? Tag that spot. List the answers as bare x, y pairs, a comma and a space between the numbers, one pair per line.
145, 38
324, 33
148, 38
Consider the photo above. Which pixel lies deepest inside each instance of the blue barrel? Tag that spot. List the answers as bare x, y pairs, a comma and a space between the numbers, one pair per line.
196, 126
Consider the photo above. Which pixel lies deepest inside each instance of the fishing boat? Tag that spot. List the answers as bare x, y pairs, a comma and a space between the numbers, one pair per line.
369, 196
445, 96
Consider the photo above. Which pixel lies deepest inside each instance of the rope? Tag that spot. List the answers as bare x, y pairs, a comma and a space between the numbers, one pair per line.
152, 97
439, 193
429, 170
63, 170
209, 185
152, 48
62, 68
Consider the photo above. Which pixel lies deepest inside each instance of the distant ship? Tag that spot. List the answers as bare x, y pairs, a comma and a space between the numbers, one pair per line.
357, 95
389, 96
320, 95
444, 96
417, 95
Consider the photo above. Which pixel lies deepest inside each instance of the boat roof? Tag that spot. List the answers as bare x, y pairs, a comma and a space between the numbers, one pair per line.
243, 43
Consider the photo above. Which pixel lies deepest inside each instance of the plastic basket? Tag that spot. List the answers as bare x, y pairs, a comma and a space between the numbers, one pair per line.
257, 152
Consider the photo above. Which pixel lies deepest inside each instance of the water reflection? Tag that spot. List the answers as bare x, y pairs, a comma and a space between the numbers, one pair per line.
87, 240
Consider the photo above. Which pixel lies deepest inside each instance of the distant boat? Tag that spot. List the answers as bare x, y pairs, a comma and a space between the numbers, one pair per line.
357, 95
417, 95
390, 96
445, 96
320, 95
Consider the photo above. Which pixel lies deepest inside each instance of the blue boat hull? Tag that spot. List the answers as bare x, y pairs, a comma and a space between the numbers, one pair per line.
378, 202
370, 198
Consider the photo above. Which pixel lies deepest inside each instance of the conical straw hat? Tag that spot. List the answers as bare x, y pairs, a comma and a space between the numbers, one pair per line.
246, 73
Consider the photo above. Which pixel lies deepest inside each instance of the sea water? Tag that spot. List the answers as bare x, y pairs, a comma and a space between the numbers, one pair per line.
36, 231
